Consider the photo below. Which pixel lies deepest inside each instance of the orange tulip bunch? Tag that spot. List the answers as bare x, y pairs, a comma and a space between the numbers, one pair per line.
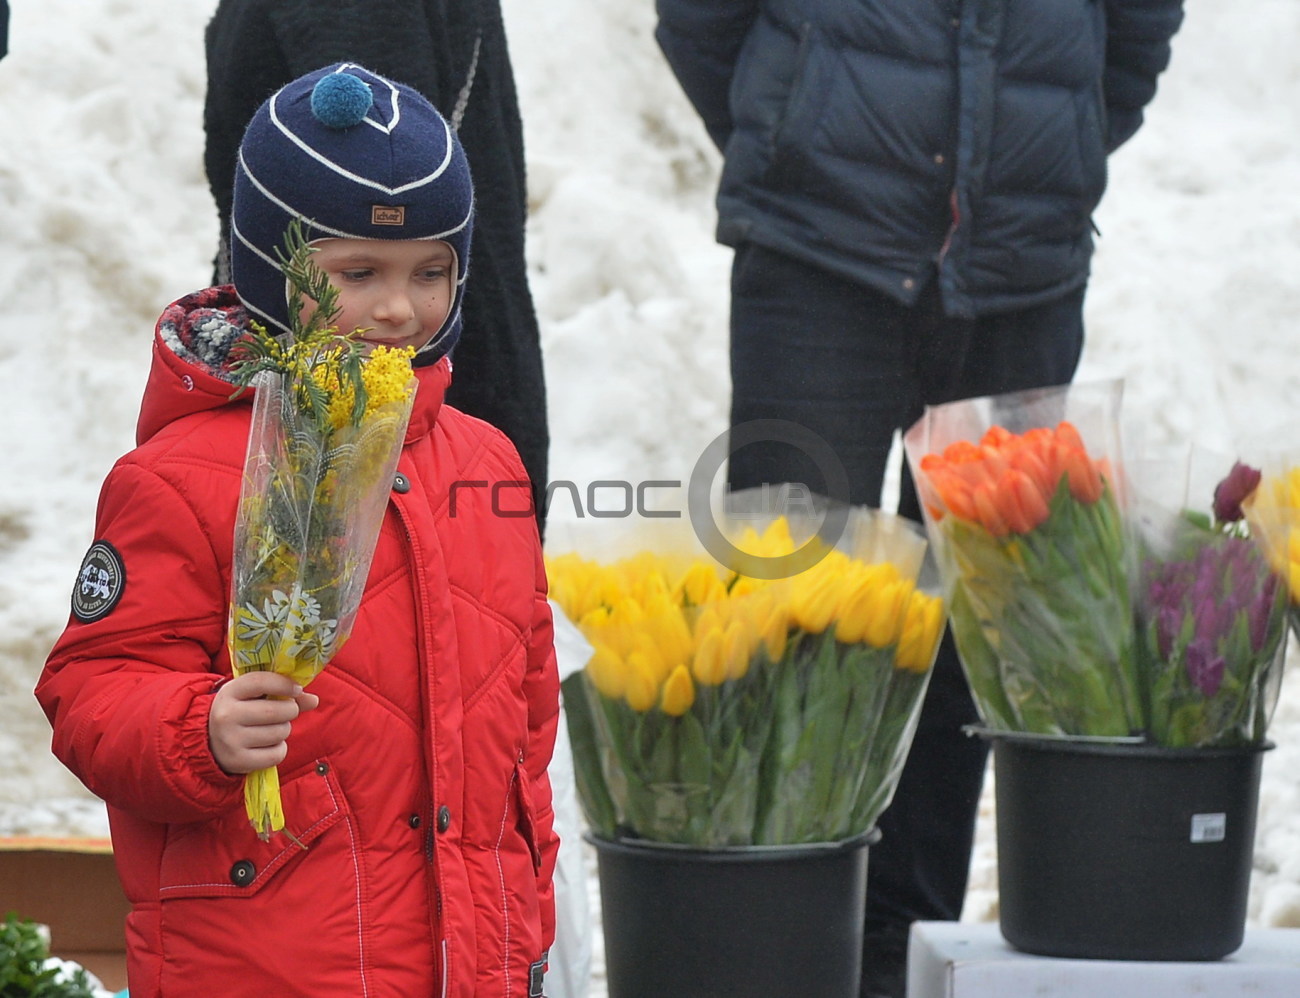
1028, 534
729, 710
1006, 482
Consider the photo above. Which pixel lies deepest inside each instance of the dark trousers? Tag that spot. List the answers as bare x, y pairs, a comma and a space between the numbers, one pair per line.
854, 366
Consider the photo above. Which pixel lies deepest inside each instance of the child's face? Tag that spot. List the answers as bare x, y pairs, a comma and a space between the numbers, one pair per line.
397, 291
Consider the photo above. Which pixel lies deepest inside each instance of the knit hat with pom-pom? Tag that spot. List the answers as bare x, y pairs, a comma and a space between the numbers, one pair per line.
352, 155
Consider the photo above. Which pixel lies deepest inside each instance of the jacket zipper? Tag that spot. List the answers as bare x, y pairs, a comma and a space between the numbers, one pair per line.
952, 229
431, 813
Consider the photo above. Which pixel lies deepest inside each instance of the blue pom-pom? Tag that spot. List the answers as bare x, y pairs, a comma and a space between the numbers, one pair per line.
340, 100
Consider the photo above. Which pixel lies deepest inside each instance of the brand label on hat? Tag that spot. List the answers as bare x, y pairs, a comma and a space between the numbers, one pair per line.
382, 214
99, 583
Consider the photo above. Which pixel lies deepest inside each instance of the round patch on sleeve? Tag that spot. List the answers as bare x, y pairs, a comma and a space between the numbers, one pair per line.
100, 583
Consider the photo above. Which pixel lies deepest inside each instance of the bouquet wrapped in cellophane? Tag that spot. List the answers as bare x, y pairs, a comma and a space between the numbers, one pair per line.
1210, 610
1024, 510
327, 429
725, 709
1272, 509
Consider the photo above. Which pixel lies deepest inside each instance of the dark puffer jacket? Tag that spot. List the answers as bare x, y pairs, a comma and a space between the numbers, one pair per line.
254, 47
879, 138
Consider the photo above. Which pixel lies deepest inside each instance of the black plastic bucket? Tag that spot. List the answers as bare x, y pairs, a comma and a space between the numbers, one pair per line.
739, 921
1124, 852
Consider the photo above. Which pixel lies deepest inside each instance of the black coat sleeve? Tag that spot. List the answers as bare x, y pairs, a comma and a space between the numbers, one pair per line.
1138, 34
701, 40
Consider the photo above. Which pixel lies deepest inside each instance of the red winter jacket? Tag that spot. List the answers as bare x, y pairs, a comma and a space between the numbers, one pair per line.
418, 787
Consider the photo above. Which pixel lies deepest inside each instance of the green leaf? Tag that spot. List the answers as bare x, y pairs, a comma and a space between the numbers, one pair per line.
22, 972
593, 792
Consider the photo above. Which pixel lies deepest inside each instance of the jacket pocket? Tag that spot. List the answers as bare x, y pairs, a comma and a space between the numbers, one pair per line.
798, 119
1090, 113
225, 858
527, 816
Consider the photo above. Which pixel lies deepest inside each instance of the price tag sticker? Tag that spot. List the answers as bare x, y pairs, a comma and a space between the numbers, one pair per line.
1209, 827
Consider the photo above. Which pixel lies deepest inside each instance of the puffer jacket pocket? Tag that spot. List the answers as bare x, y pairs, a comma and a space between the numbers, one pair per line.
297, 910
797, 124
527, 815
1090, 116
225, 858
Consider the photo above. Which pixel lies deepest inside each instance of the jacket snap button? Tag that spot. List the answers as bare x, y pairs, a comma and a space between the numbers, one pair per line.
414, 821
401, 483
322, 768
444, 818
242, 873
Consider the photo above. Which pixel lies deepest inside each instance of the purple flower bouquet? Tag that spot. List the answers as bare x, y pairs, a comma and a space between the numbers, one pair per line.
1212, 623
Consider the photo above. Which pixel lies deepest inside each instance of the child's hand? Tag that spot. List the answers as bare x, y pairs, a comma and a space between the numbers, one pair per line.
248, 731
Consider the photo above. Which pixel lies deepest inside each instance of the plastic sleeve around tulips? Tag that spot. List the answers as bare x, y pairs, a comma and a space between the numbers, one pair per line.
807, 749
1043, 620
1212, 627
309, 514
1273, 512
717, 710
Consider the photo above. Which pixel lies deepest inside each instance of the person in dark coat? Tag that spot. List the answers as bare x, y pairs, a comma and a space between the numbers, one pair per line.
909, 190
455, 54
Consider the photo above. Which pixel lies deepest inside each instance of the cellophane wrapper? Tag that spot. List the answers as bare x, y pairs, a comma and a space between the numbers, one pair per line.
1211, 612
1273, 512
1039, 605
310, 509
729, 709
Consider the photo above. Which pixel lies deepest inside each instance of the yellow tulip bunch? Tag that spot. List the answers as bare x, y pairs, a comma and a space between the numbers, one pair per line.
1273, 512
726, 709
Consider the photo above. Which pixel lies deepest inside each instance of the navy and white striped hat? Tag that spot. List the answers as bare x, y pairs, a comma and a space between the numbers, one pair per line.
355, 156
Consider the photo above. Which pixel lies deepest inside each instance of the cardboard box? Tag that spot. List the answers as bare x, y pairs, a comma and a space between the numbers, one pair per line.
71, 886
956, 960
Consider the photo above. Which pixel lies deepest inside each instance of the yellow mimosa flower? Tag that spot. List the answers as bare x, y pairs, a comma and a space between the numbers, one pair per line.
678, 693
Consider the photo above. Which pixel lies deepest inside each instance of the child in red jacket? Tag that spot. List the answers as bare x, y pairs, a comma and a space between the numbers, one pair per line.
414, 774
